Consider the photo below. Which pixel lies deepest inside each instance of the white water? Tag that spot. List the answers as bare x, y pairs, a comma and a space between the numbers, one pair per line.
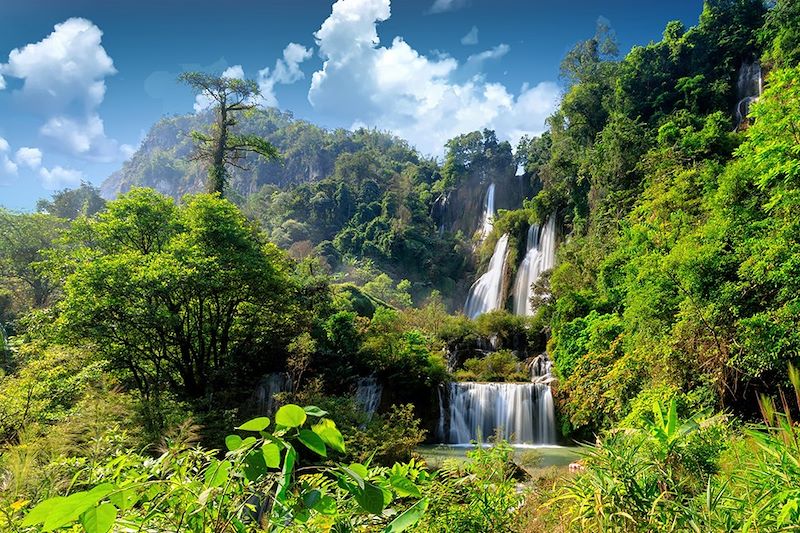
368, 395
486, 294
748, 88
521, 413
541, 256
270, 385
488, 213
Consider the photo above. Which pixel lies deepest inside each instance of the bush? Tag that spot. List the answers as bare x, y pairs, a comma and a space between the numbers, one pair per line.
256, 485
501, 365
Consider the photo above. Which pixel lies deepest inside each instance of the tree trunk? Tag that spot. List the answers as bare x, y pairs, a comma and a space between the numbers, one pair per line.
216, 174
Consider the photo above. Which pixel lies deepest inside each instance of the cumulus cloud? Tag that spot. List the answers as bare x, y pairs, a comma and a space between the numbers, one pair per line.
427, 100
64, 80
29, 157
59, 177
471, 37
7, 166
286, 71
442, 6
202, 101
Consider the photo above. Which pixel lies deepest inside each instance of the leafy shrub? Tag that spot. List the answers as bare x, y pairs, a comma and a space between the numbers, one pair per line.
258, 484
477, 495
501, 365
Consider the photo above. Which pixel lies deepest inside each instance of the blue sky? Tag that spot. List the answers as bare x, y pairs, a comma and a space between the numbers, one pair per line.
82, 81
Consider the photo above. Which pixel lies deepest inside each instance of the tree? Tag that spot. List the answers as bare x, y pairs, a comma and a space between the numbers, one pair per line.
24, 241
72, 203
220, 147
185, 296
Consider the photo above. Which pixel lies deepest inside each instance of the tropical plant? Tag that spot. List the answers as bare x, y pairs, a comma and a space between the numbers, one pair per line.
264, 481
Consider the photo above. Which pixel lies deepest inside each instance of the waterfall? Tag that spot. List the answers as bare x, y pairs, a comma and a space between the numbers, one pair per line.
368, 395
540, 256
521, 413
440, 425
488, 212
268, 387
486, 294
748, 88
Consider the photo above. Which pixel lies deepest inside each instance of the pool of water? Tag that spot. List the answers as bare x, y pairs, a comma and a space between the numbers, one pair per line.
434, 454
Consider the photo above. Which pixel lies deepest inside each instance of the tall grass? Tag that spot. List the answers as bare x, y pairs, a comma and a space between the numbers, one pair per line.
677, 475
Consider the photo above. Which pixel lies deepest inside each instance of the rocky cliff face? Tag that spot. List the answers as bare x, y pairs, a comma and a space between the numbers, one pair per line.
461, 209
308, 153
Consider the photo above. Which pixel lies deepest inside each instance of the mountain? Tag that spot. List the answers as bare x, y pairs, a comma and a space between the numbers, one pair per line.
309, 153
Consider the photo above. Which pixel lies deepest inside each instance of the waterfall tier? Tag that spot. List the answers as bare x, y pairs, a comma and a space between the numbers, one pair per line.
368, 395
486, 294
488, 212
268, 387
521, 413
540, 256
748, 89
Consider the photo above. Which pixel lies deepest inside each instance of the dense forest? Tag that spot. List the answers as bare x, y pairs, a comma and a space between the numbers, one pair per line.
278, 357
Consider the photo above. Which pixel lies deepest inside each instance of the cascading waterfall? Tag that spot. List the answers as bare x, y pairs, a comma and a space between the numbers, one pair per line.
748, 88
268, 387
541, 256
486, 294
488, 212
368, 395
521, 413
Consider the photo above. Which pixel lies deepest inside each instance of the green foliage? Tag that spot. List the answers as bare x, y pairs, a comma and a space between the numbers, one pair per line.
592, 333
50, 383
73, 203
257, 485
645, 479
25, 240
479, 495
221, 148
176, 295
501, 365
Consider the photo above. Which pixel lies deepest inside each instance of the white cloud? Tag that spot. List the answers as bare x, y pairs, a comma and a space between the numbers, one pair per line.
236, 72
59, 177
52, 179
471, 37
426, 100
202, 101
7, 166
29, 157
286, 71
64, 80
441, 6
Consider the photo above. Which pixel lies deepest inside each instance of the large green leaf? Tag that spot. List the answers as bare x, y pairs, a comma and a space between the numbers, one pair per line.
70, 508
256, 424
404, 487
233, 442
255, 465
408, 518
272, 454
217, 473
290, 416
39, 514
99, 519
313, 442
370, 498
124, 498
313, 410
328, 432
